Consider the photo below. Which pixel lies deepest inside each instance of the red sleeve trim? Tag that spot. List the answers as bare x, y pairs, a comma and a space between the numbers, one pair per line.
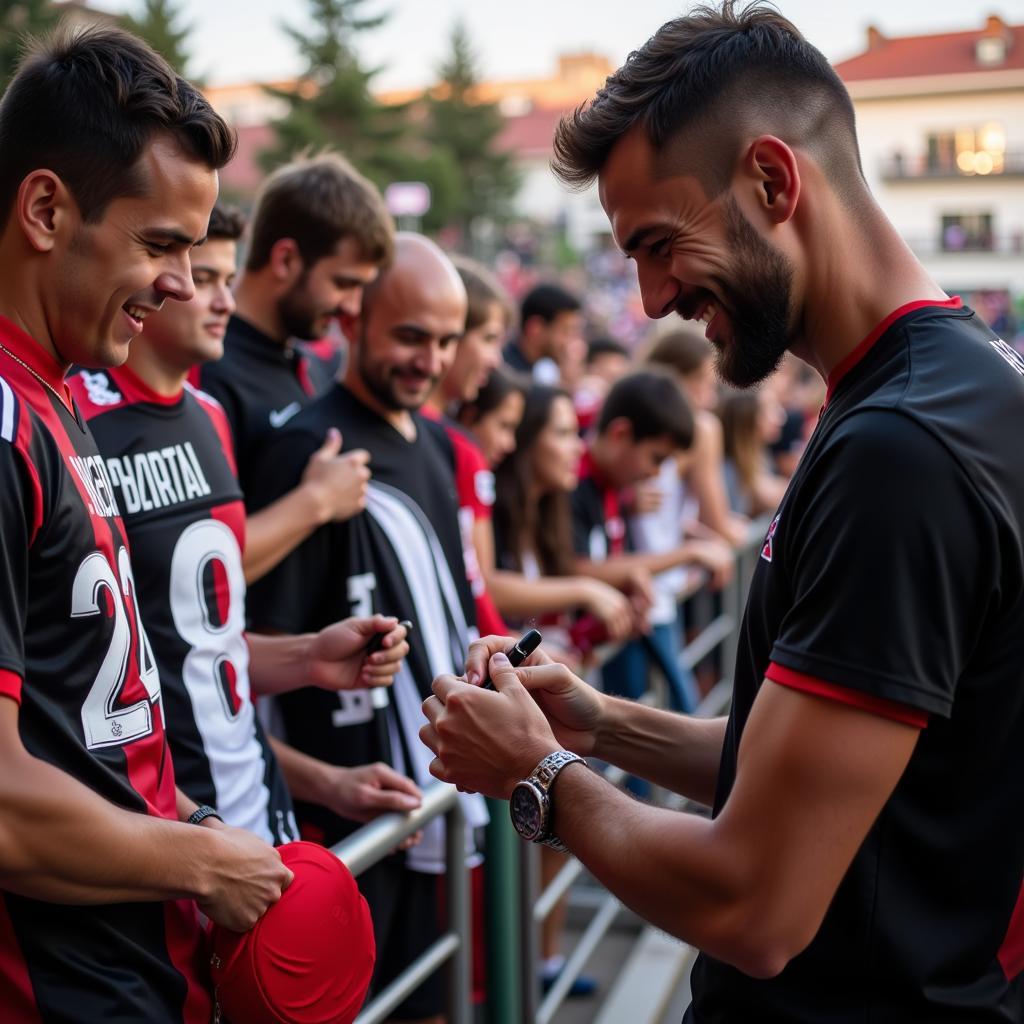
845, 695
10, 685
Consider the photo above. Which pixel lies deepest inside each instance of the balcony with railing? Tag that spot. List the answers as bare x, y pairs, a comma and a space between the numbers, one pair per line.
949, 242
968, 165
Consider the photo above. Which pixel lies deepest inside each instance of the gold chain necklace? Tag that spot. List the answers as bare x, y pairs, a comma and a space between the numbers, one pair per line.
38, 376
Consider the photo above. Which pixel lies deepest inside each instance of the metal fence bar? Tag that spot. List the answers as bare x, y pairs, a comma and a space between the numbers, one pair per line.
589, 941
557, 888
409, 980
529, 930
504, 944
460, 969
377, 840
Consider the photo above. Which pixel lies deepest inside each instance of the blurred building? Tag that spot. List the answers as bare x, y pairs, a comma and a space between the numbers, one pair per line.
941, 126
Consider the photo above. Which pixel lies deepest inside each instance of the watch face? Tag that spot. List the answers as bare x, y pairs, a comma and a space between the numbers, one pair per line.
525, 809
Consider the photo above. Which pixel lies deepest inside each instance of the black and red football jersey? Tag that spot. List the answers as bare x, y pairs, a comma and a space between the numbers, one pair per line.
892, 579
74, 654
171, 465
262, 384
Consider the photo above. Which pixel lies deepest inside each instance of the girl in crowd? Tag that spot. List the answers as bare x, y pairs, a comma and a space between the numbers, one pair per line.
751, 421
531, 575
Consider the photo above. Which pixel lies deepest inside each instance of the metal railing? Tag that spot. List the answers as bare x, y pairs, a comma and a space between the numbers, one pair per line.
516, 906
373, 843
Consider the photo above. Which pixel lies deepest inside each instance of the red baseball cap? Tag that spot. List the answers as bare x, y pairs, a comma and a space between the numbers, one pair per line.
309, 958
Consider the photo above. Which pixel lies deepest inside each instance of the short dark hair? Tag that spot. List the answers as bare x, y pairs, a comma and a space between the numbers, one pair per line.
598, 347
653, 404
483, 291
226, 223
716, 75
683, 351
547, 301
318, 201
85, 103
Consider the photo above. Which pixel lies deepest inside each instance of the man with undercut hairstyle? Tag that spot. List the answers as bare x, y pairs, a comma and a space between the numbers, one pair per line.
865, 856
108, 173
402, 556
320, 233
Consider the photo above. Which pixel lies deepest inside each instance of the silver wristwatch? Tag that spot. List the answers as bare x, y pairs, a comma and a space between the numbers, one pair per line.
530, 803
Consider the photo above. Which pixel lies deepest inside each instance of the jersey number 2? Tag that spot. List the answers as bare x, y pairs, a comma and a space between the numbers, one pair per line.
105, 724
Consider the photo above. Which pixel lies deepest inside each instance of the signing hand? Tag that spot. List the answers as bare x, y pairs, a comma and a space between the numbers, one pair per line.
338, 659
485, 741
575, 710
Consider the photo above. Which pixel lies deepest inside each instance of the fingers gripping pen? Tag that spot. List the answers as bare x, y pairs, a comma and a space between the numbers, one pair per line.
519, 652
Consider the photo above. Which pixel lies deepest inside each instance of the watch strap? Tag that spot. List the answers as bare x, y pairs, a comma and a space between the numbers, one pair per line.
543, 777
200, 814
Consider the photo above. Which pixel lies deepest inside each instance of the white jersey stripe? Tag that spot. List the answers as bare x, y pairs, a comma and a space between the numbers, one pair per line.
8, 405
434, 597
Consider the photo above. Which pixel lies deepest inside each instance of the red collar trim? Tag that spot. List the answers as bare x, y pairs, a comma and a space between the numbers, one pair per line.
135, 389
25, 347
842, 368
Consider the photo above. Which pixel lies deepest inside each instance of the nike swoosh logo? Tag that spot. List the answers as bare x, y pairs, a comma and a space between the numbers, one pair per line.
279, 417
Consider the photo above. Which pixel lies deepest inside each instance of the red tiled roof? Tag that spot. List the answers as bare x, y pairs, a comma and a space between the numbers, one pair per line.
952, 53
530, 134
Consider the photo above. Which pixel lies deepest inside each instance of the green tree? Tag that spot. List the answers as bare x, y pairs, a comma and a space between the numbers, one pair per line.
467, 130
333, 107
19, 18
159, 25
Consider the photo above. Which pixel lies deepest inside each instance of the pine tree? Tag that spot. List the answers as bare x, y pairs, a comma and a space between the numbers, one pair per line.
158, 26
333, 107
19, 18
468, 130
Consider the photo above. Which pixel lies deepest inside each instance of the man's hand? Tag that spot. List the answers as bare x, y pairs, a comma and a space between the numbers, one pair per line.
366, 792
609, 605
338, 660
248, 876
640, 588
575, 711
337, 482
485, 741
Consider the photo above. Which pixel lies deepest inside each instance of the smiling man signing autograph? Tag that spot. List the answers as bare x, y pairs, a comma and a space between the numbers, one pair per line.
866, 852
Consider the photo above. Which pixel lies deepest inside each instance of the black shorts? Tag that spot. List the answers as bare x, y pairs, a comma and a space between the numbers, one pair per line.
407, 918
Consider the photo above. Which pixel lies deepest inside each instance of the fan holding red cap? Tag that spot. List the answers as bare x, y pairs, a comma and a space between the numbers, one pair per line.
309, 959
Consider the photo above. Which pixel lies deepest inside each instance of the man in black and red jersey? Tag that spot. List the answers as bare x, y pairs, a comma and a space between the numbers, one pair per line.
108, 173
402, 555
865, 856
168, 454
319, 234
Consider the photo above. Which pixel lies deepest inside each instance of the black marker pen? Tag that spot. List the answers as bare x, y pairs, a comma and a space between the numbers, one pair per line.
519, 652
